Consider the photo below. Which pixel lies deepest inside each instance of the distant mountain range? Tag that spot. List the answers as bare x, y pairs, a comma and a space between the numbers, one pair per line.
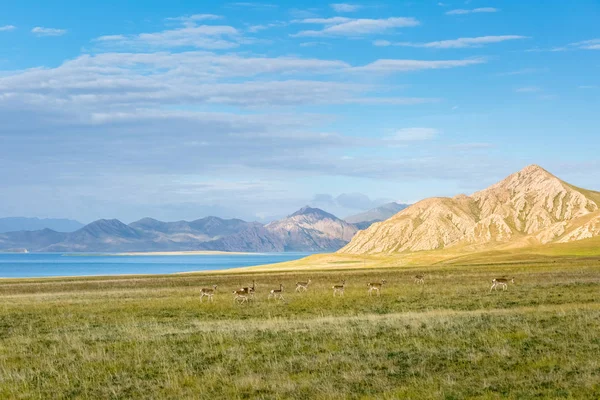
13, 224
309, 230
530, 207
527, 208
381, 213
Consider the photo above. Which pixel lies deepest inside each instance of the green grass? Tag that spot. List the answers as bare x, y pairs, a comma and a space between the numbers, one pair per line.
150, 337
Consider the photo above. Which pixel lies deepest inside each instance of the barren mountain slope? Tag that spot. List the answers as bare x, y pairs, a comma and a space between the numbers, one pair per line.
530, 206
312, 229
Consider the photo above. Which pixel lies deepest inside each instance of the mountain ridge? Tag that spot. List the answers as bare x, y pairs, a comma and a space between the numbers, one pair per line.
529, 206
308, 229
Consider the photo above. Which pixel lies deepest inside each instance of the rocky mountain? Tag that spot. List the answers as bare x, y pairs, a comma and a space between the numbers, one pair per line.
252, 239
312, 229
529, 207
381, 213
191, 233
15, 224
101, 235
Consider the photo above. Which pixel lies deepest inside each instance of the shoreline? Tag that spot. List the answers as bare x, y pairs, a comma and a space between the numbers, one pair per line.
163, 253
185, 253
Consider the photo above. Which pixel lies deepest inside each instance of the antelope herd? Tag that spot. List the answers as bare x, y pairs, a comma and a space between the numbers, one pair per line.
245, 294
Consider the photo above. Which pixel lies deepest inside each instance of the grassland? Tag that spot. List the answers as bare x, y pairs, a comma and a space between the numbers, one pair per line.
150, 337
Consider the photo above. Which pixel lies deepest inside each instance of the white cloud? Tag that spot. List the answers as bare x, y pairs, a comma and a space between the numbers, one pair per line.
389, 66
202, 36
313, 44
7, 28
460, 42
340, 26
522, 71
472, 11
40, 31
414, 134
528, 89
345, 7
253, 5
262, 27
593, 44
138, 80
323, 21
382, 43
587, 87
192, 20
196, 17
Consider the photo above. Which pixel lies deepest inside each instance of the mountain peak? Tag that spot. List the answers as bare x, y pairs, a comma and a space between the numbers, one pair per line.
108, 227
307, 210
534, 170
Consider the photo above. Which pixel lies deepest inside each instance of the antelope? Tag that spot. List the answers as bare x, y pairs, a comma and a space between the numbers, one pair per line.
501, 282
420, 278
339, 288
376, 286
302, 286
276, 293
241, 296
208, 292
250, 289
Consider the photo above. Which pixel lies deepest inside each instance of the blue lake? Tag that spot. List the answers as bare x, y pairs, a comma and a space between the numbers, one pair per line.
54, 264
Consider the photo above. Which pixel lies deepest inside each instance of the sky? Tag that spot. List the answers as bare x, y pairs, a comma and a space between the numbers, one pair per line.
182, 109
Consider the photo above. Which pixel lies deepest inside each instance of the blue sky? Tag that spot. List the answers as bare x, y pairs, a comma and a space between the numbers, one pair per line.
182, 109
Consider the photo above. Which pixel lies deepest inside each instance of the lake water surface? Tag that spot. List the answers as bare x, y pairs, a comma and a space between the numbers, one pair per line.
54, 264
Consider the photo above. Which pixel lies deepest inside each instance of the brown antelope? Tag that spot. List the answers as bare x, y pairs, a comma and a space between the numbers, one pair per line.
302, 286
276, 293
250, 290
501, 282
241, 296
420, 278
376, 286
208, 292
339, 288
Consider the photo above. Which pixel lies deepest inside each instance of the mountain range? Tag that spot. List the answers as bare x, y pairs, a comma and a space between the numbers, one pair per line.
307, 230
527, 208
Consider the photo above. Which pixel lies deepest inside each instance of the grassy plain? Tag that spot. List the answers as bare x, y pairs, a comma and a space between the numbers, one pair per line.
150, 337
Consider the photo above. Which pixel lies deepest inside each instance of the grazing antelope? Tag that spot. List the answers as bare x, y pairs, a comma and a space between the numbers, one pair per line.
250, 290
420, 278
240, 296
302, 286
276, 293
376, 286
501, 282
339, 288
208, 292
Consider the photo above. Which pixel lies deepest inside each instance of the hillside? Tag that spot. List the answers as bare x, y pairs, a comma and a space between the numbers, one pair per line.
530, 207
